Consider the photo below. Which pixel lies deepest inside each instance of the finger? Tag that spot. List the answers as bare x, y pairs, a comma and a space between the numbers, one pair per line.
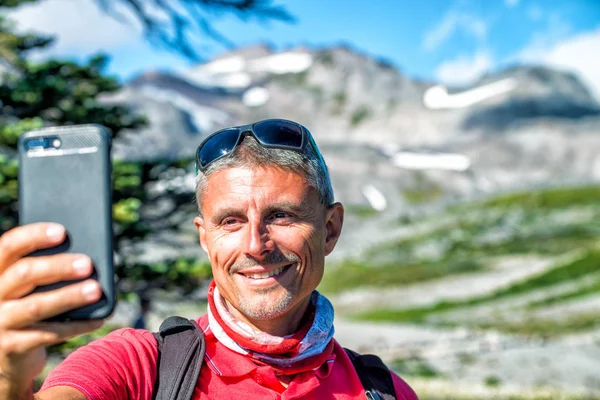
23, 240
28, 273
15, 314
47, 334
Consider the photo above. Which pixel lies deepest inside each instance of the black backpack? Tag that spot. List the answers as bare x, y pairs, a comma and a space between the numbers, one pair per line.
181, 349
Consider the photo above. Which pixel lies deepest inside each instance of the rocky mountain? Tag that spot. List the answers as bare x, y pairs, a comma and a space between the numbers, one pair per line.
533, 117
392, 143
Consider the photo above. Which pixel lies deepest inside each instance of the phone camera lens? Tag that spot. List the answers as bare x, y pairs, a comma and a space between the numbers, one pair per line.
35, 144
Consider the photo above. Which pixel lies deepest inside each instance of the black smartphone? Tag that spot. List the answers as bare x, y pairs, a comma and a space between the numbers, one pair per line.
65, 177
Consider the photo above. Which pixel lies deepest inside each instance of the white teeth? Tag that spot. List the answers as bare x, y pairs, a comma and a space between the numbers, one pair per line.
265, 274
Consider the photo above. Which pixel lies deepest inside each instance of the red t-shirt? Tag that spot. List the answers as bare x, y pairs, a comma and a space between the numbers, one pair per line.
122, 365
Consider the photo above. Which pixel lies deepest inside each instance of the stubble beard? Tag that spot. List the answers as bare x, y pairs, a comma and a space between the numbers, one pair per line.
270, 303
263, 305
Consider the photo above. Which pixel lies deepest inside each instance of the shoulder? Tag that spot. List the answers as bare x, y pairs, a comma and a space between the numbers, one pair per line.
121, 342
124, 365
127, 339
403, 390
122, 346
202, 322
377, 371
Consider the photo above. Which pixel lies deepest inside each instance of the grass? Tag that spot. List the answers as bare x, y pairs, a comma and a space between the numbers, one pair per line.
546, 223
547, 327
360, 115
469, 241
361, 210
494, 234
355, 274
492, 381
586, 289
422, 195
586, 265
466, 238
414, 367
548, 198
422, 190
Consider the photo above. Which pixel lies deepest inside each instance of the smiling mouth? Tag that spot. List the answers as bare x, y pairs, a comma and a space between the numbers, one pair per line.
268, 274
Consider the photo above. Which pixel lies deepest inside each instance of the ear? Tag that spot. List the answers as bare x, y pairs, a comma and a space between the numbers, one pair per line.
199, 222
333, 224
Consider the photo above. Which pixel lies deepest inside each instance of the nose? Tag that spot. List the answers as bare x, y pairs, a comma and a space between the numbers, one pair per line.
257, 242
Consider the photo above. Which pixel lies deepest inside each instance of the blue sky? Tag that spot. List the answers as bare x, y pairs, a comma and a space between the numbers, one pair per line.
453, 42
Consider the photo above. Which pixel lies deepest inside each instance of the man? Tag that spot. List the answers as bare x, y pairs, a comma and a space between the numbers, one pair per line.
267, 220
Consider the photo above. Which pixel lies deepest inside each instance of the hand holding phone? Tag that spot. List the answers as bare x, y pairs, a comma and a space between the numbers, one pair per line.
65, 177
22, 334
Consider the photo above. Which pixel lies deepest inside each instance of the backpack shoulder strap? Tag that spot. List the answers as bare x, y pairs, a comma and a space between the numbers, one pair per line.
181, 349
374, 376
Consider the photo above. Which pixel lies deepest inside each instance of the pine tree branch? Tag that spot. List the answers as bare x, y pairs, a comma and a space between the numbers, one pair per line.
179, 25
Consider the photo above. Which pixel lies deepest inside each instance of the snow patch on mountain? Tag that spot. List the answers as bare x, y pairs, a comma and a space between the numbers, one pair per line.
256, 96
376, 199
285, 63
415, 160
236, 72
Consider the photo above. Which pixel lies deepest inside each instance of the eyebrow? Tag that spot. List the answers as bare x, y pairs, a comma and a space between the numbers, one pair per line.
299, 209
217, 217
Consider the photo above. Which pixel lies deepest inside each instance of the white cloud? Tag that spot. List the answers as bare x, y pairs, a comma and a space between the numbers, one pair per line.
511, 3
452, 22
579, 53
464, 70
557, 30
78, 26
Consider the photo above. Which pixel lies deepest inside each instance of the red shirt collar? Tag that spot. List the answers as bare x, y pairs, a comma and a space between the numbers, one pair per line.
228, 363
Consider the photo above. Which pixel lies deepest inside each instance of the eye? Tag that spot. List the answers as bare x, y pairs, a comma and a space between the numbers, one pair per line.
230, 221
281, 217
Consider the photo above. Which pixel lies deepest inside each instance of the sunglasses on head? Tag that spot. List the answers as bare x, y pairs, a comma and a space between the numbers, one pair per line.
272, 133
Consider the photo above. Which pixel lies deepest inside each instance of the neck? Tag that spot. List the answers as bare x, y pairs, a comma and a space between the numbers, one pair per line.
283, 325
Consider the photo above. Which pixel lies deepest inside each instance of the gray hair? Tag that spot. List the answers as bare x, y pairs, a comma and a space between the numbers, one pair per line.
250, 153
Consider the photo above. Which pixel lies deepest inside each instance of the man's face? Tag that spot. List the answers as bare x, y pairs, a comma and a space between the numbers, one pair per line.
266, 234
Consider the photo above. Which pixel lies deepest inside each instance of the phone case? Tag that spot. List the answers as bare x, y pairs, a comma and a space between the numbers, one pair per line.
71, 185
